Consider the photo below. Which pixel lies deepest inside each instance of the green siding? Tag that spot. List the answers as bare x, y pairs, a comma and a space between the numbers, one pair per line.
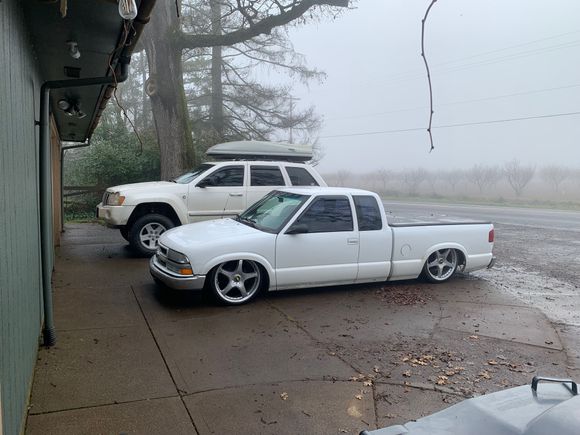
20, 278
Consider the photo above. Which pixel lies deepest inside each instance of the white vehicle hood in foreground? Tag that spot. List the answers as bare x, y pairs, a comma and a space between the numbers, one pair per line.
142, 187
516, 411
210, 242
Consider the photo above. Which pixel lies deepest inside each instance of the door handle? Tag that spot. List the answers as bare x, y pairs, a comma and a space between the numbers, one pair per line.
352, 241
236, 194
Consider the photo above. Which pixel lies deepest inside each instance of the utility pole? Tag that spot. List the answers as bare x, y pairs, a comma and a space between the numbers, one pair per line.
292, 99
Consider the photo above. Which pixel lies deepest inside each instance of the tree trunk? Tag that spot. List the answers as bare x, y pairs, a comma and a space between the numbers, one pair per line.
166, 92
217, 93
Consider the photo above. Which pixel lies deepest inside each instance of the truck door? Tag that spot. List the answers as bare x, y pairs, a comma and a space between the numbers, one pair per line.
221, 193
374, 260
326, 252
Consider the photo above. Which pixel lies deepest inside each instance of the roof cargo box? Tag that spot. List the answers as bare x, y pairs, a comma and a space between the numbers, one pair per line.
260, 150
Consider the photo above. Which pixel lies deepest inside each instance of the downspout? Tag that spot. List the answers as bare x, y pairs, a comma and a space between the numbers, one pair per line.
62, 151
45, 181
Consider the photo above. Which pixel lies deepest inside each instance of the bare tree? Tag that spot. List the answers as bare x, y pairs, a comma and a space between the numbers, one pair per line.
413, 179
452, 177
384, 175
518, 175
484, 176
555, 175
342, 176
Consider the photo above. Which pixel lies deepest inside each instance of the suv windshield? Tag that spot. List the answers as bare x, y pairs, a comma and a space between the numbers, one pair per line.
273, 211
194, 173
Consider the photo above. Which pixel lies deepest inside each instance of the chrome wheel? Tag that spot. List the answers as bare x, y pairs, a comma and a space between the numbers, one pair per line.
236, 282
441, 265
150, 233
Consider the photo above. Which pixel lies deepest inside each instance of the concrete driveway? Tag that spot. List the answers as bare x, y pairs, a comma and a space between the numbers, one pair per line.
134, 359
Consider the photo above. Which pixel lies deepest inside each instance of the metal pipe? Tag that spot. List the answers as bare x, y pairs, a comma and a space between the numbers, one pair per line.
62, 151
45, 181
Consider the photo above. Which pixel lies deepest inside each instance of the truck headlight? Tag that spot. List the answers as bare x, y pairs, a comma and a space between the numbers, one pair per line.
115, 198
177, 257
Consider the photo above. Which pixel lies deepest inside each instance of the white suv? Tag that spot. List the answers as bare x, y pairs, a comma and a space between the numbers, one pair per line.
143, 211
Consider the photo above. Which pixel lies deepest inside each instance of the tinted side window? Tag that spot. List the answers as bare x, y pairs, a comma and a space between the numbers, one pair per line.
328, 215
266, 176
300, 176
230, 176
368, 213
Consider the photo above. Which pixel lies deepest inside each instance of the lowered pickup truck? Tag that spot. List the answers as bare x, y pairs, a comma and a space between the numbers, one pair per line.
314, 236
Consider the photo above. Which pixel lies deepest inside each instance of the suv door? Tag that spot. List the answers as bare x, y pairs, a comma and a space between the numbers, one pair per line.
221, 193
327, 253
263, 179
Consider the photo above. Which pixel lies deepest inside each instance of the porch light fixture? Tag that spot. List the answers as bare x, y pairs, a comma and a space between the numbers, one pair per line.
127, 9
71, 109
73, 49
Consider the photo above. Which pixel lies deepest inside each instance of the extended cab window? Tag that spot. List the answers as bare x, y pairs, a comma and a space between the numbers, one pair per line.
328, 214
266, 176
300, 176
368, 213
225, 177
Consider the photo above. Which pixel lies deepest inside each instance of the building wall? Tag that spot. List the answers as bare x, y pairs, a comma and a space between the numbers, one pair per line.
20, 276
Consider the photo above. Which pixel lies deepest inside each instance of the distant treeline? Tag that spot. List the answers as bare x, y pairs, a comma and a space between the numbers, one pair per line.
509, 180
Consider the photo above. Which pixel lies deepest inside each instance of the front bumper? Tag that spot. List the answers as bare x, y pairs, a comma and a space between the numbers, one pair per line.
175, 281
114, 215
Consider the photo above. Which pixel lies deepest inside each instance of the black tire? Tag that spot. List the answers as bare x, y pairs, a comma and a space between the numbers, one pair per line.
124, 232
237, 274
145, 232
441, 265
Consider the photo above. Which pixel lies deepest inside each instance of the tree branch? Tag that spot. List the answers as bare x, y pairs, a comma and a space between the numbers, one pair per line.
263, 26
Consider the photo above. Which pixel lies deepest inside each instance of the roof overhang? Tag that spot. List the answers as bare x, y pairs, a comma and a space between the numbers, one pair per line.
102, 37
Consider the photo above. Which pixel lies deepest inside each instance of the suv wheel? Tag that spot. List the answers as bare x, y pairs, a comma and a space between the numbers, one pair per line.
145, 232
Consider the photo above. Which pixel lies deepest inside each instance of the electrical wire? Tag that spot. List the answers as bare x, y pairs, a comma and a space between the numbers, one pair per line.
452, 103
464, 124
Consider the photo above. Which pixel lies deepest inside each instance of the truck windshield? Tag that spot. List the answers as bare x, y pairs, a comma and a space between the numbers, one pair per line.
272, 212
191, 175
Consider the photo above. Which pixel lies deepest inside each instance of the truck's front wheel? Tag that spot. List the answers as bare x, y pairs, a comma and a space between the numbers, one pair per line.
145, 232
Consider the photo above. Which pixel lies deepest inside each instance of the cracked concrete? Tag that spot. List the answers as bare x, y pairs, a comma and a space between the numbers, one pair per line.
132, 358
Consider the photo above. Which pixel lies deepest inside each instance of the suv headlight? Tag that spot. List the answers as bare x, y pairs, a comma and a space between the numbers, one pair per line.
115, 198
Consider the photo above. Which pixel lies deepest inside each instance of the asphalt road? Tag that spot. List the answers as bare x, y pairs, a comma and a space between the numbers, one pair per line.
525, 217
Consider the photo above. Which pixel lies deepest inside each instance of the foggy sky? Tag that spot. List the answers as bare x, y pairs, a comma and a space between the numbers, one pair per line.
376, 81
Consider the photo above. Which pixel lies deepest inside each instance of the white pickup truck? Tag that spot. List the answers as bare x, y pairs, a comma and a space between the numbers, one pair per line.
144, 211
317, 236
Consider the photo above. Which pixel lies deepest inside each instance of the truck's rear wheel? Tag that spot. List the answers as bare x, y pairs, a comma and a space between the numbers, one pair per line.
145, 232
440, 265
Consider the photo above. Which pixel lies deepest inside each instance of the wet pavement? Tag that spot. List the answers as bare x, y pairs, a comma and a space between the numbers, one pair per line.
132, 358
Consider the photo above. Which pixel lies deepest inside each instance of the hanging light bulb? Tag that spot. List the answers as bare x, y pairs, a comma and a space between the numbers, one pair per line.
127, 9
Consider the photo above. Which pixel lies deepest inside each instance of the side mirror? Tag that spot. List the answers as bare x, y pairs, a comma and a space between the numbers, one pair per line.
297, 229
204, 183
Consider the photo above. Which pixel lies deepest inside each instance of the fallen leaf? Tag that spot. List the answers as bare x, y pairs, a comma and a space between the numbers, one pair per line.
368, 383
484, 374
492, 362
358, 397
284, 396
474, 337
407, 374
376, 369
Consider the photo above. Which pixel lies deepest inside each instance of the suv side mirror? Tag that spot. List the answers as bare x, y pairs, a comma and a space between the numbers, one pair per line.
205, 182
298, 229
